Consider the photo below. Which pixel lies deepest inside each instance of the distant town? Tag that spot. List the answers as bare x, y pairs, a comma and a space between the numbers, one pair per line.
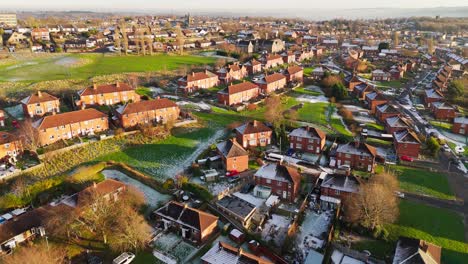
225, 140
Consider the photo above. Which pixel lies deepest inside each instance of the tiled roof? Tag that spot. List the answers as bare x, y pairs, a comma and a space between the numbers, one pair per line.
279, 172
253, 127
106, 88
100, 190
230, 148
145, 106
39, 97
186, 215
274, 77
308, 132
241, 87
406, 136
6, 137
196, 76
57, 120
351, 148
294, 69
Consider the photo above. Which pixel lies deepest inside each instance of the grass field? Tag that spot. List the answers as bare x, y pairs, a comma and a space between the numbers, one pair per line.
166, 158
439, 226
423, 182
84, 66
441, 125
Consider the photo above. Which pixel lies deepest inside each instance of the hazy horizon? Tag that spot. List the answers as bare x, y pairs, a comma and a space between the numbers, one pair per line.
293, 8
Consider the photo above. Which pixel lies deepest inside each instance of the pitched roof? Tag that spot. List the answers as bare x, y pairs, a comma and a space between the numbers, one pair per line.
406, 136
196, 76
308, 132
416, 251
226, 254
39, 97
279, 172
357, 149
252, 127
274, 77
387, 108
62, 119
106, 88
99, 189
341, 182
241, 87
398, 121
145, 106
293, 69
186, 215
230, 148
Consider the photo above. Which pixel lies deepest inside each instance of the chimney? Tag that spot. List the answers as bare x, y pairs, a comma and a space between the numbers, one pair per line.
54, 112
255, 123
83, 106
158, 97
233, 140
193, 73
39, 94
94, 86
117, 85
94, 185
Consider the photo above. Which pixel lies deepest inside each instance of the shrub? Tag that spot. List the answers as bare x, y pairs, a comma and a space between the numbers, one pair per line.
198, 191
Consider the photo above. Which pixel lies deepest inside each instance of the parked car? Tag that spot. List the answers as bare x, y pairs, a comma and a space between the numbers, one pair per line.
400, 194
446, 148
124, 258
459, 149
406, 158
232, 173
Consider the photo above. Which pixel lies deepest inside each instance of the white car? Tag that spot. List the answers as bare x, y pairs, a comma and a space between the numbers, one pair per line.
446, 148
459, 149
124, 258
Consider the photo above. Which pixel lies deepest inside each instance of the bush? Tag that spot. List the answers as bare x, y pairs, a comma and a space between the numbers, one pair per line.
198, 191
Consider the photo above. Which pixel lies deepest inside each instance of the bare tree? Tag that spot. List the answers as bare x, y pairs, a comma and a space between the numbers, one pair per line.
149, 42
117, 41
29, 136
62, 222
375, 204
274, 112
180, 40
123, 30
37, 254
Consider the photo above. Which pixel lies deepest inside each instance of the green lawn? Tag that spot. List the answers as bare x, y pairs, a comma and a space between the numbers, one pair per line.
375, 126
423, 182
167, 157
84, 66
441, 125
313, 113
308, 71
302, 90
439, 226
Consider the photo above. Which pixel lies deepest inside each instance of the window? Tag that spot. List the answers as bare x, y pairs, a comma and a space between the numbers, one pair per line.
279, 183
348, 156
337, 192
310, 147
268, 181
7, 145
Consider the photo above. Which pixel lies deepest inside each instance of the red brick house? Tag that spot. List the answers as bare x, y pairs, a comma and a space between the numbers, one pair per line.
253, 134
10, 145
397, 123
2, 118
253, 66
107, 94
359, 156
282, 180
304, 55
336, 188
431, 96
294, 74
224, 253
238, 93
375, 99
443, 111
193, 224
198, 80
71, 124
271, 83
288, 57
406, 143
307, 139
232, 72
40, 34
362, 89
411, 250
233, 155
379, 75
271, 61
39, 104
352, 82
384, 111
460, 126
148, 112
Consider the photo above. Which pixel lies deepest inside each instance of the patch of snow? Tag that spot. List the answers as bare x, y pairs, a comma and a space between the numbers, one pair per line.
152, 196
313, 229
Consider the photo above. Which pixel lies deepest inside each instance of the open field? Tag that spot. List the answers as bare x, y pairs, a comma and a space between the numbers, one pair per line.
439, 226
423, 182
166, 158
84, 66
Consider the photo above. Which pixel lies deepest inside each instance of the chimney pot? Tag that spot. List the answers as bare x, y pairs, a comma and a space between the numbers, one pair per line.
117, 84
95, 86
94, 185
39, 93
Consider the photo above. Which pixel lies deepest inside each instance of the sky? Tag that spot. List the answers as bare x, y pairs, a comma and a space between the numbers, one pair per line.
219, 4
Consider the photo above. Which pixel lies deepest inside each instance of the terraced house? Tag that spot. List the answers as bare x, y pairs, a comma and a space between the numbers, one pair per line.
69, 125
232, 72
39, 104
253, 134
271, 83
279, 179
147, 112
107, 94
238, 93
271, 60
359, 156
307, 139
198, 80
406, 143
294, 74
